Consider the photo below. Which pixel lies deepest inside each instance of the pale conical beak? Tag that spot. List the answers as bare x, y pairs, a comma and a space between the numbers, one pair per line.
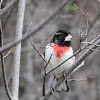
68, 38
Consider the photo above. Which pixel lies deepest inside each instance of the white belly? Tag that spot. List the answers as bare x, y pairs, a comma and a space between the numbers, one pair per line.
56, 61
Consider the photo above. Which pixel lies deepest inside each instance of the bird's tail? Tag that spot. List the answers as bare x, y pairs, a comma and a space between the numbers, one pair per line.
63, 87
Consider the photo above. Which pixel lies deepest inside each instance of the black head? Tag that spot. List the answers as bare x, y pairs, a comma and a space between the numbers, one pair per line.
62, 38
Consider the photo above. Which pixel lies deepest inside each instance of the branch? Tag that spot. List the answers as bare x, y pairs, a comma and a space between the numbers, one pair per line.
5, 10
37, 28
16, 61
4, 78
80, 10
2, 63
82, 58
45, 75
90, 43
93, 49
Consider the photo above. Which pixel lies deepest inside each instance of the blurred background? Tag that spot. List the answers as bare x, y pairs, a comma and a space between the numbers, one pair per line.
68, 18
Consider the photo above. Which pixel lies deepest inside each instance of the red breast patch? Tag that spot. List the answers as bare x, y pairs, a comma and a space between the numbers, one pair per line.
59, 50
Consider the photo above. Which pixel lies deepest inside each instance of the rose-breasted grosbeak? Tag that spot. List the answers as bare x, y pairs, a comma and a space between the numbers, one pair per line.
60, 49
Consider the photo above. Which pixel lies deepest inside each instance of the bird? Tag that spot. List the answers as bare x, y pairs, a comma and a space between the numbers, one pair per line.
59, 49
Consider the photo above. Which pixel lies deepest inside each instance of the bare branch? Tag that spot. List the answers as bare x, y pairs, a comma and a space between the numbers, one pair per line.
90, 43
44, 79
80, 79
4, 78
3, 65
37, 28
48, 61
80, 10
93, 49
45, 75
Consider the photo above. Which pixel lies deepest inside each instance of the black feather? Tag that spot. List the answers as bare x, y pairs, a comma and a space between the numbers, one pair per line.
59, 38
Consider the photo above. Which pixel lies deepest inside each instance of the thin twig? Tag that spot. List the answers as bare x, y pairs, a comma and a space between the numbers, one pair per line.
4, 78
87, 21
44, 79
44, 76
3, 65
93, 49
78, 80
37, 50
90, 43
9, 52
37, 28
90, 26
48, 61
80, 10
87, 24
